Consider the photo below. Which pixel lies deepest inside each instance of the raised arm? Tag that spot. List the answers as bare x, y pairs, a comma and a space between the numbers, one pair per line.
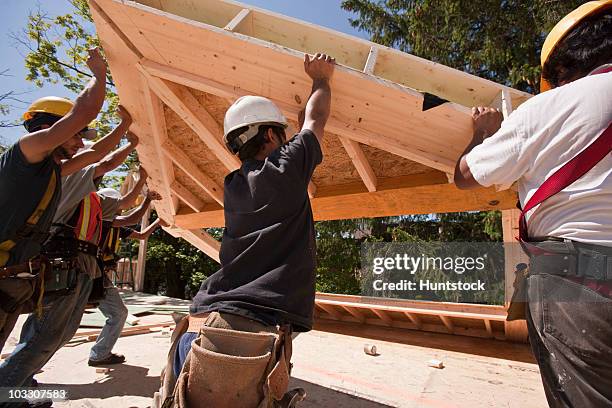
128, 200
114, 160
38, 145
101, 148
320, 69
136, 216
146, 233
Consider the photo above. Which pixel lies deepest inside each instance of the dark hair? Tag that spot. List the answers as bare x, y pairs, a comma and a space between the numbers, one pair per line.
39, 119
253, 146
586, 47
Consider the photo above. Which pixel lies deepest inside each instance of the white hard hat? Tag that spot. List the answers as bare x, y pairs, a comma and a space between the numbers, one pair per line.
251, 111
110, 193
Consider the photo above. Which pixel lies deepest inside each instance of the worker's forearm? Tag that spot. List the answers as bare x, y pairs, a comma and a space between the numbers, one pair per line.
319, 103
134, 217
146, 233
130, 198
89, 102
113, 160
108, 142
463, 177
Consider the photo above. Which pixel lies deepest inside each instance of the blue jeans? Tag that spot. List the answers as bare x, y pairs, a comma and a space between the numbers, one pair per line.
116, 313
182, 350
41, 338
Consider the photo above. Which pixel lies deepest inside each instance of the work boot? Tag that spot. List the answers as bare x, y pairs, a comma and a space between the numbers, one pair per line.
111, 359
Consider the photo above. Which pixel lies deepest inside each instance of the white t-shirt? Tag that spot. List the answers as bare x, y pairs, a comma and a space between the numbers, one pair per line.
537, 139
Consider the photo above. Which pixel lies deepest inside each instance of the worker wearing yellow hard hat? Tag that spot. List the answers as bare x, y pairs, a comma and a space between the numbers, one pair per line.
49, 110
556, 148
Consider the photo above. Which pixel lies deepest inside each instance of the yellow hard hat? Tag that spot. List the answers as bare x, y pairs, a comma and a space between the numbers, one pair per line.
49, 104
563, 27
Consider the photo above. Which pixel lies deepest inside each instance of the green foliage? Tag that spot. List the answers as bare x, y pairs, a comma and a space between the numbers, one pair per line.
496, 40
56, 49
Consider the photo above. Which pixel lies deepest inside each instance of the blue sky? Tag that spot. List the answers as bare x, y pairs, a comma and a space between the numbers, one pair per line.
14, 16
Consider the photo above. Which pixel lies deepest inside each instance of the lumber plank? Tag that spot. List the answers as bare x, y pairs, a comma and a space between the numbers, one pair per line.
359, 315
240, 21
187, 196
184, 104
394, 202
183, 161
448, 322
361, 163
336, 123
158, 126
331, 310
414, 319
371, 61
382, 315
203, 241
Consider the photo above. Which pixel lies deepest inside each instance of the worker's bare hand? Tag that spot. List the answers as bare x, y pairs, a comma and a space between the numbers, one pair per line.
154, 195
486, 121
124, 115
143, 173
319, 67
96, 63
132, 139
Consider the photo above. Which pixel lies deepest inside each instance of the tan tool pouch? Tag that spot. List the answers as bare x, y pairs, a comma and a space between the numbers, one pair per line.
229, 368
518, 304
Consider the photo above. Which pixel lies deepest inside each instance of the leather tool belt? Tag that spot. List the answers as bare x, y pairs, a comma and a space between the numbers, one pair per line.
570, 260
26, 270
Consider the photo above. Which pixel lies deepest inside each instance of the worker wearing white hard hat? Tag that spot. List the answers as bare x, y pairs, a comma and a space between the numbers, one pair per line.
267, 275
557, 147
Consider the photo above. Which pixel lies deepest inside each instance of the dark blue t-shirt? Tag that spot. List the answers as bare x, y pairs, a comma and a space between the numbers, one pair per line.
22, 187
268, 253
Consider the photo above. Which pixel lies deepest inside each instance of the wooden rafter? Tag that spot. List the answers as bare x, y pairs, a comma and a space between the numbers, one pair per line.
203, 241
184, 104
336, 123
187, 196
348, 204
183, 161
155, 113
361, 163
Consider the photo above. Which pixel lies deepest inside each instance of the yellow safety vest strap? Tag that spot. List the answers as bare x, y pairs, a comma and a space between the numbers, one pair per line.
8, 245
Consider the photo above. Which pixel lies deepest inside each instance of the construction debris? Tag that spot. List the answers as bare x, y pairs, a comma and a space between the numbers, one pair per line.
436, 364
102, 370
370, 350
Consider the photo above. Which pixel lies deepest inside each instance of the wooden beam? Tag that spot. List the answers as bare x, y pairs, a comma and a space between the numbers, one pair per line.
336, 123
155, 114
356, 313
241, 18
487, 323
184, 104
382, 315
331, 310
187, 196
448, 323
424, 199
361, 163
139, 276
414, 319
182, 160
203, 241
371, 62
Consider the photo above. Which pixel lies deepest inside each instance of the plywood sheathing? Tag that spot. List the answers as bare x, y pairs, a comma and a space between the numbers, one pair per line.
186, 139
198, 57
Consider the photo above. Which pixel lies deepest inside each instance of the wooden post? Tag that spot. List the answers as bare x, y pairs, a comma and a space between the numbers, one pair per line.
515, 331
142, 256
